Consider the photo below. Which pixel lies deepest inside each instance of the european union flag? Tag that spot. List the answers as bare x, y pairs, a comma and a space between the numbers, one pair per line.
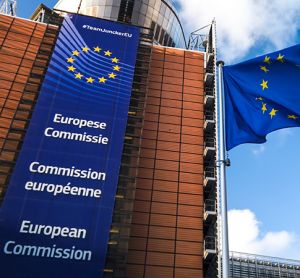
262, 95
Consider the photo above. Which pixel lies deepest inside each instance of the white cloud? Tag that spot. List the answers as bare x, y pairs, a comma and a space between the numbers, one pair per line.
245, 236
68, 5
258, 150
243, 24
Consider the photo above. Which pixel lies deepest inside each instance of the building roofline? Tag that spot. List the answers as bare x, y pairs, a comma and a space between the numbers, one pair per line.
37, 10
263, 258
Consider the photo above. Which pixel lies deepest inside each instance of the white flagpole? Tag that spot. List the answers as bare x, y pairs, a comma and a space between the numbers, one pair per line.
221, 169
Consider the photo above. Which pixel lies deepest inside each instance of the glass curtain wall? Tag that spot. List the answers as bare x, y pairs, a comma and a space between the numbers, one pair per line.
160, 15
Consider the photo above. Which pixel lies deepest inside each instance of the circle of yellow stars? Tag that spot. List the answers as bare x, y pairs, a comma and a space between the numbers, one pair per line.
91, 79
264, 85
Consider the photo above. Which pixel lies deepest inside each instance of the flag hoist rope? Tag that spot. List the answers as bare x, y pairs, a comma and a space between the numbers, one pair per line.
221, 170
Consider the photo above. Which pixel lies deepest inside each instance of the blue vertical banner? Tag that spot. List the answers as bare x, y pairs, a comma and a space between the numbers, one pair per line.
56, 217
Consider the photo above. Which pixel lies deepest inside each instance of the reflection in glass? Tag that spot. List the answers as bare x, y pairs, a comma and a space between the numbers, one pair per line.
161, 15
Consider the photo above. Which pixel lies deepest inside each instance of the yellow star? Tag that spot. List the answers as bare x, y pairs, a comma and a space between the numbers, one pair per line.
97, 49
107, 53
273, 113
112, 75
263, 68
115, 60
71, 68
259, 98
78, 75
280, 58
75, 53
90, 80
264, 107
117, 68
267, 60
264, 84
102, 80
292, 117
70, 60
85, 49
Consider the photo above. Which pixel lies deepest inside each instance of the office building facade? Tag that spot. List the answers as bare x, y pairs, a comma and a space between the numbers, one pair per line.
167, 224
249, 265
164, 221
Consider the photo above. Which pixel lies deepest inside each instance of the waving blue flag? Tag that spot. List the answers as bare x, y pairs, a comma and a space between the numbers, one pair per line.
262, 95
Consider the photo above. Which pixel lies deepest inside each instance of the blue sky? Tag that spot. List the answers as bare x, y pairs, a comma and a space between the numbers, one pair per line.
26, 8
264, 180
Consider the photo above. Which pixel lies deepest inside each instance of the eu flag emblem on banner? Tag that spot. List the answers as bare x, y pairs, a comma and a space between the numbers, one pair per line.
262, 95
101, 67
67, 171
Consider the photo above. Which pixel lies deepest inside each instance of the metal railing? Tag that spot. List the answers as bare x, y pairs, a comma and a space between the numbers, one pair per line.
210, 205
210, 142
209, 116
209, 243
209, 92
209, 172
